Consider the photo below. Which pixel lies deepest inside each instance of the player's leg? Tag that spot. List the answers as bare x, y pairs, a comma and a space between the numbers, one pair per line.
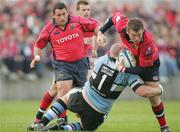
151, 78
75, 106
90, 119
56, 109
63, 88
64, 81
45, 102
78, 74
158, 108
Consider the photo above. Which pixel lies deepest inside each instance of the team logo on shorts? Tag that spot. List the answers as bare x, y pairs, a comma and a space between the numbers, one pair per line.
155, 78
60, 75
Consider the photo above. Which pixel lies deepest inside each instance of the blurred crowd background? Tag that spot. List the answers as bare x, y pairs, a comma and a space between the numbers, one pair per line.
22, 20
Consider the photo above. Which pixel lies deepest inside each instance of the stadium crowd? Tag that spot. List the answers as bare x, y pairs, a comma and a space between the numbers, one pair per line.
21, 21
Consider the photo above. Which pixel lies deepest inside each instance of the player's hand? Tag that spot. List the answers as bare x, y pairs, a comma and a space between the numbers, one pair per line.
101, 39
88, 41
35, 61
120, 64
93, 53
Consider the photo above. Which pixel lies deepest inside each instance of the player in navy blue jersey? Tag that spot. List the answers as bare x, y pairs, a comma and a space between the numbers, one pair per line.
94, 101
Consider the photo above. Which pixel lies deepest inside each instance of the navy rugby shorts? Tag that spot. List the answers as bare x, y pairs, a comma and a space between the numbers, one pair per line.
76, 71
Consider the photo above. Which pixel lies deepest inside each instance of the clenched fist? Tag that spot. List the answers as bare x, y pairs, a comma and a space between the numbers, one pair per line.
35, 61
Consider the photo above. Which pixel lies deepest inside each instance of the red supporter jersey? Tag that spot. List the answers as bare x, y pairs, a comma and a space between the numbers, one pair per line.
67, 44
88, 47
146, 52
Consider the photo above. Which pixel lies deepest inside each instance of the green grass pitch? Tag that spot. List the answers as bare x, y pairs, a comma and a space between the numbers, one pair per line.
126, 116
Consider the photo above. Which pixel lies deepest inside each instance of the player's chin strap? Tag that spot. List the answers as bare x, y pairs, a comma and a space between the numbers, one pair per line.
162, 90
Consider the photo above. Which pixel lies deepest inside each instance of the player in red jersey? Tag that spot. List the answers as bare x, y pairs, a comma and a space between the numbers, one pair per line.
83, 9
65, 34
143, 46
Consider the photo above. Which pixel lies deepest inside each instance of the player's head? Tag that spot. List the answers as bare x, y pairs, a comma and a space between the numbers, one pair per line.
60, 14
83, 8
135, 29
115, 49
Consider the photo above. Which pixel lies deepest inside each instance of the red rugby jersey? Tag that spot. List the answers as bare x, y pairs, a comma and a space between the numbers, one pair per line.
67, 44
146, 52
88, 47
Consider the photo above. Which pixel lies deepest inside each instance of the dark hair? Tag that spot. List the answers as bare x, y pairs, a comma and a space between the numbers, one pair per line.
81, 2
60, 6
135, 24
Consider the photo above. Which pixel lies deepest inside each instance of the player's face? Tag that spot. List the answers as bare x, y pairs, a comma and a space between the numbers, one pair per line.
61, 16
84, 11
135, 36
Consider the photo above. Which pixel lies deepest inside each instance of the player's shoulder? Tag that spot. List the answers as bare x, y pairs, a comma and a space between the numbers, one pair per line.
49, 25
102, 59
148, 37
94, 20
118, 15
148, 47
76, 18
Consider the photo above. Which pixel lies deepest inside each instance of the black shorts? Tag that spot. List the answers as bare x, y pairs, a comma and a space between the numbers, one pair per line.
76, 71
90, 119
151, 74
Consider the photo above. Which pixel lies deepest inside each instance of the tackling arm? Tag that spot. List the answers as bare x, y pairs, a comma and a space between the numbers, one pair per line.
147, 91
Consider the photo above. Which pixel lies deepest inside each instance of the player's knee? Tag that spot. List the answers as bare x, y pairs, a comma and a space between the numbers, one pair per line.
53, 91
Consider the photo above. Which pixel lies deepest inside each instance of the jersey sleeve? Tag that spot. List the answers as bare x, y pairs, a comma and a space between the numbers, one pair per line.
119, 21
134, 81
42, 39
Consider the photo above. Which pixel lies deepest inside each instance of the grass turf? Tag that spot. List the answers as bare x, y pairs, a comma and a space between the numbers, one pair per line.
126, 116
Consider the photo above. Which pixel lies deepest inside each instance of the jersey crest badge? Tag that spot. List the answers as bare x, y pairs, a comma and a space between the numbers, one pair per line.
148, 51
61, 75
72, 27
56, 33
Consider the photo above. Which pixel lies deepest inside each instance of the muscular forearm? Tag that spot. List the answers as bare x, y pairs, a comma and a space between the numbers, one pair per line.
37, 51
96, 30
136, 70
146, 91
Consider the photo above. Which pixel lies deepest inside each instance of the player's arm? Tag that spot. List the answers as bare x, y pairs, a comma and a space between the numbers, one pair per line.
106, 26
118, 20
90, 25
101, 39
40, 43
147, 91
137, 85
